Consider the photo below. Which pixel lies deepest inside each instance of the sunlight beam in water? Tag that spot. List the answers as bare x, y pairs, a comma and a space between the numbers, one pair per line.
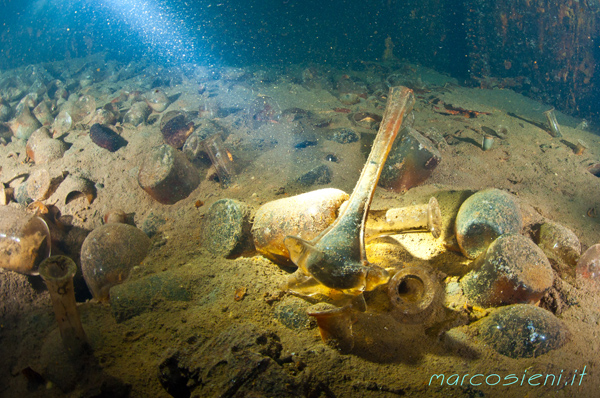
166, 32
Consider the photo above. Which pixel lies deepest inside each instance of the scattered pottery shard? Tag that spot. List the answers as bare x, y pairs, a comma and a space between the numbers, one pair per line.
40, 185
304, 216
74, 187
103, 116
62, 124
6, 194
366, 120
335, 325
157, 100
81, 109
412, 160
43, 114
335, 261
448, 109
5, 110
417, 218
106, 138
483, 217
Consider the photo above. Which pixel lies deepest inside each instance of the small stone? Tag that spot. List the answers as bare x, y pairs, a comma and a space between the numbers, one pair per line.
522, 331
320, 175
292, 314
483, 217
226, 228
344, 136
142, 295
349, 98
152, 223
21, 195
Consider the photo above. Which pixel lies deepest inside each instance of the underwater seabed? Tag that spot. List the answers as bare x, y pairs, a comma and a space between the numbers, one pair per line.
189, 155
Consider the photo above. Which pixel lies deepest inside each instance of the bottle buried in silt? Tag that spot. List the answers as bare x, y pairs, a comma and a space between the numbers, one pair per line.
553, 123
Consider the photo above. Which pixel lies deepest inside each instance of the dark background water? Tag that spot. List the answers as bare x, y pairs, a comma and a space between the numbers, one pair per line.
545, 50
226, 32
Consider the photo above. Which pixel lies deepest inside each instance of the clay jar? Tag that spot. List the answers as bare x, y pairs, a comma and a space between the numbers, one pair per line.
24, 241
483, 217
24, 124
108, 254
522, 331
167, 175
514, 270
561, 246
